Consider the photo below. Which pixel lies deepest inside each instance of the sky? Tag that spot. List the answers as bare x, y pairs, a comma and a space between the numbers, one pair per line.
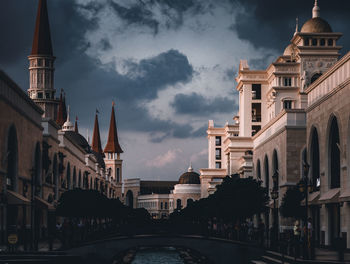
169, 65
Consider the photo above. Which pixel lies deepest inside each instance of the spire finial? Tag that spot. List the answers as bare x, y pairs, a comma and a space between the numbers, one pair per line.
316, 10
296, 26
68, 114
190, 169
112, 145
67, 126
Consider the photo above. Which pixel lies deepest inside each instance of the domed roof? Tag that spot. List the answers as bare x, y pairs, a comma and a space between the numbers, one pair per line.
189, 177
78, 139
316, 25
288, 51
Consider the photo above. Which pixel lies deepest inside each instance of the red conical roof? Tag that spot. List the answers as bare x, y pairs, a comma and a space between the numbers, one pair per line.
112, 145
42, 37
60, 117
96, 139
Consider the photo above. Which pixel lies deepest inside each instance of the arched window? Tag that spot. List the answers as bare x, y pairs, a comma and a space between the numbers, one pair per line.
275, 168
12, 159
178, 204
37, 170
334, 154
315, 77
74, 178
189, 201
129, 199
258, 170
267, 176
79, 179
315, 160
55, 175
68, 177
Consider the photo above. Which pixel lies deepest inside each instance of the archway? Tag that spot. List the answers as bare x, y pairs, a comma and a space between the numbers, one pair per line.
79, 179
129, 199
12, 160
267, 185
178, 204
55, 175
74, 178
334, 154
315, 160
37, 170
258, 170
68, 185
189, 201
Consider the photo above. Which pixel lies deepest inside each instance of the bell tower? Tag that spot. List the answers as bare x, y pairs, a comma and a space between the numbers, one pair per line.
112, 156
41, 65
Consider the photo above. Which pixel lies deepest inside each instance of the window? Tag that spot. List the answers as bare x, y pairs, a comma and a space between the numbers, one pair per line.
118, 174
161, 205
40, 95
218, 154
255, 129
47, 95
287, 104
217, 141
306, 41
323, 42
256, 91
218, 165
287, 81
330, 42
178, 204
165, 205
314, 42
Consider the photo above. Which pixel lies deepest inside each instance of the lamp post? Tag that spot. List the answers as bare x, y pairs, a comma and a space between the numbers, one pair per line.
305, 187
274, 196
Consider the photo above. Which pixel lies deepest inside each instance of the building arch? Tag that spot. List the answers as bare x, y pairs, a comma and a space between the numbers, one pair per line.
129, 201
37, 170
178, 204
258, 170
79, 179
333, 153
12, 159
266, 174
74, 177
55, 175
189, 201
68, 177
314, 155
275, 166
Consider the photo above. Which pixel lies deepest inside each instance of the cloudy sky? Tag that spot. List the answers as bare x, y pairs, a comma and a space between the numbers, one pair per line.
168, 64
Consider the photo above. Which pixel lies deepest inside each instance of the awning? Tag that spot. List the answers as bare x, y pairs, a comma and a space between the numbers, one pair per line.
312, 198
44, 204
15, 198
331, 196
345, 196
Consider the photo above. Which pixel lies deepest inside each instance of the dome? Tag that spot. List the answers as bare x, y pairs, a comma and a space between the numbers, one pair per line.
316, 25
288, 51
68, 126
78, 139
189, 177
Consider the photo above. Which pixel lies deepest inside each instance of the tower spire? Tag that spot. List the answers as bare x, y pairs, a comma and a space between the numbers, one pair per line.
76, 130
68, 125
96, 139
42, 37
112, 145
41, 65
316, 10
296, 26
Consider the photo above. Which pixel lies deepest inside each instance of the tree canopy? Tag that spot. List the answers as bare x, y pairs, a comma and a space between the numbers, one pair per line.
291, 203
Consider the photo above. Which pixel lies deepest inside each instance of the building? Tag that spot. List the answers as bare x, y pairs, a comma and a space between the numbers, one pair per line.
42, 152
295, 112
161, 198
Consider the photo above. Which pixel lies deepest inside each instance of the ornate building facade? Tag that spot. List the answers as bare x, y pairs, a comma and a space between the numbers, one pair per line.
42, 153
293, 113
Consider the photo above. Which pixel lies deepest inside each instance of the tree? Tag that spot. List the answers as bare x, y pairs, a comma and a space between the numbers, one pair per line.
291, 203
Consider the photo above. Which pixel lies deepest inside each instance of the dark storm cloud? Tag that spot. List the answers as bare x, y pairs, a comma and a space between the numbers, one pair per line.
199, 105
271, 23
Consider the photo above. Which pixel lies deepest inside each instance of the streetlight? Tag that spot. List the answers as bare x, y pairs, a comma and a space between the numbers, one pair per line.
274, 196
305, 186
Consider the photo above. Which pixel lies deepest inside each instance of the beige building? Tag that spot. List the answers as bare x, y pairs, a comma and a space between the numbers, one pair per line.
42, 154
293, 112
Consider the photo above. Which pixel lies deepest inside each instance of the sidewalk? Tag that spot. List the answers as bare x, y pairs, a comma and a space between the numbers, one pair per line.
330, 255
